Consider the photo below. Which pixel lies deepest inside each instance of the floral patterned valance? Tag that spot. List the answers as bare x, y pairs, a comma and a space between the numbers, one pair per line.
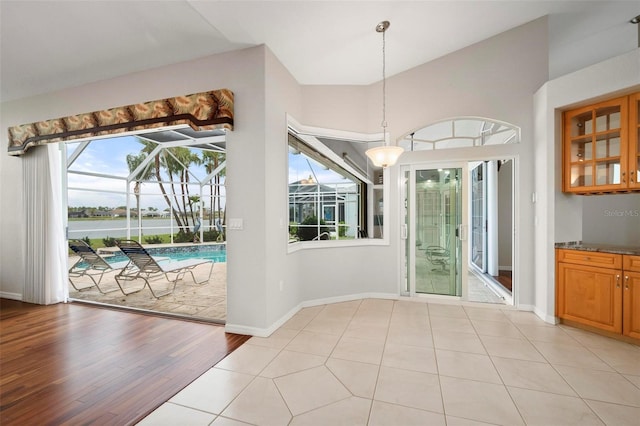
201, 111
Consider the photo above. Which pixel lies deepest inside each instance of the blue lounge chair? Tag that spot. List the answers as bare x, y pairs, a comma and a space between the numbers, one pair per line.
148, 268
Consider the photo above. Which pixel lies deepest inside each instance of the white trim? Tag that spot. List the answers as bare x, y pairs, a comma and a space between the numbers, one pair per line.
314, 143
348, 298
551, 319
412, 168
448, 300
9, 295
528, 308
266, 332
322, 244
309, 135
301, 129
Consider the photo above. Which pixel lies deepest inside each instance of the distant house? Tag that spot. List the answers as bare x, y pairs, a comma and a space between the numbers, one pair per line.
77, 214
123, 213
150, 213
307, 198
102, 213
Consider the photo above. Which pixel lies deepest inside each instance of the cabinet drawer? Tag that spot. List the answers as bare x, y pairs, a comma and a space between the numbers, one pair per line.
591, 258
631, 263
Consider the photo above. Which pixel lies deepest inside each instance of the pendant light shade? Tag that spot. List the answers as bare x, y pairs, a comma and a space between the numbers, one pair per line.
385, 155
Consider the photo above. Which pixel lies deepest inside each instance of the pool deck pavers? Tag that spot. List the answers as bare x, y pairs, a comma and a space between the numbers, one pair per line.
207, 302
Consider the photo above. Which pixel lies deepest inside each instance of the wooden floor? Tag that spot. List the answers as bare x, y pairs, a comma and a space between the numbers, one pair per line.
76, 364
504, 278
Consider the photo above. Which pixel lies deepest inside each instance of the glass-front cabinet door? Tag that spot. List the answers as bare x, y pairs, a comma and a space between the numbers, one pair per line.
595, 147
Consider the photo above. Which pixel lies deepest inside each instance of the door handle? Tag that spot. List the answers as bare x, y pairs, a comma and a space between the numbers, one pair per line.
403, 232
461, 232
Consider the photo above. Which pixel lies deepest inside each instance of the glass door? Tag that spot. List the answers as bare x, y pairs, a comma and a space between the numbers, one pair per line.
478, 216
433, 231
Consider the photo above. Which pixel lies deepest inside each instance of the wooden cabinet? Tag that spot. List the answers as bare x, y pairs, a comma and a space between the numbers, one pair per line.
600, 290
631, 297
600, 147
590, 293
634, 141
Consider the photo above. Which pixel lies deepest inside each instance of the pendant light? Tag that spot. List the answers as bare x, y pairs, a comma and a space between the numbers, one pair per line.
385, 155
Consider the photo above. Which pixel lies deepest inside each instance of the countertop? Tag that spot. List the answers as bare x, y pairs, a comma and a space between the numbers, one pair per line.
605, 248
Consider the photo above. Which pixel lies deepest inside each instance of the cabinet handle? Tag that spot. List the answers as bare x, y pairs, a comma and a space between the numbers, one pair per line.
626, 282
632, 173
623, 180
617, 280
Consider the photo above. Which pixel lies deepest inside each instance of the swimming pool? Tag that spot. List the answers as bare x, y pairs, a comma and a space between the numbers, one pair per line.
215, 252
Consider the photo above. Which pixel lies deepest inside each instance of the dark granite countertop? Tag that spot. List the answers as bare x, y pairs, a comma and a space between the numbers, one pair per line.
605, 248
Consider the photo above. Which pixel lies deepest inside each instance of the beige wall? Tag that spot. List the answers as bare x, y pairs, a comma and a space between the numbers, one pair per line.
495, 78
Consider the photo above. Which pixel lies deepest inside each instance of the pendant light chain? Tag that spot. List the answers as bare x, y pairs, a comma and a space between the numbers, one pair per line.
385, 155
384, 88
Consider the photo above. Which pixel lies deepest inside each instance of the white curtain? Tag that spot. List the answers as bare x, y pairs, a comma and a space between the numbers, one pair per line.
45, 278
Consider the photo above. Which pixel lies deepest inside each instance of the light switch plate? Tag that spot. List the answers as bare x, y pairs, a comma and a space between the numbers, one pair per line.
236, 224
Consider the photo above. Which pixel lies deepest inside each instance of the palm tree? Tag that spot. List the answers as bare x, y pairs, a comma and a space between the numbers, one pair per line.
133, 161
159, 163
177, 164
211, 161
171, 167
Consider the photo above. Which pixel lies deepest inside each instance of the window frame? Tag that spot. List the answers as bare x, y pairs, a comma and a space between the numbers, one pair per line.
309, 135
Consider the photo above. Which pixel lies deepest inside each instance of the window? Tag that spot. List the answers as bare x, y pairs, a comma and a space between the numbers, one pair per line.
157, 186
335, 193
326, 199
461, 132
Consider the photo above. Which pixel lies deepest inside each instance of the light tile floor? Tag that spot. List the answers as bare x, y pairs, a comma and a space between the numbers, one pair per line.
385, 362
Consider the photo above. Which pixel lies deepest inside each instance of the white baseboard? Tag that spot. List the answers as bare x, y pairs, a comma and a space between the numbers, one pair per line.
261, 332
348, 298
266, 332
12, 296
551, 319
505, 268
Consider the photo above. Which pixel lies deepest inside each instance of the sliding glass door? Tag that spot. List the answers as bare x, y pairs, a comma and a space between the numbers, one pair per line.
433, 230
478, 216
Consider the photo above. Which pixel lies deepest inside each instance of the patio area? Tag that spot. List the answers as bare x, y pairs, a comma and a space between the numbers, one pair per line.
204, 302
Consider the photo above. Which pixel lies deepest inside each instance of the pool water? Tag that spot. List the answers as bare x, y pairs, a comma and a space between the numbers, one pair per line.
216, 253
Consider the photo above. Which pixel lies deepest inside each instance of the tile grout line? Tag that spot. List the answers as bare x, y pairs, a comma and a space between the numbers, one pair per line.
531, 342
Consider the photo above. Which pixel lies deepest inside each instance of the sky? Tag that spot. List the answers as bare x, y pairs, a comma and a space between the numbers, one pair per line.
301, 167
108, 157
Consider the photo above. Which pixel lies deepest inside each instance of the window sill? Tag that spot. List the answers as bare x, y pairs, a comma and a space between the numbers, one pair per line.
324, 244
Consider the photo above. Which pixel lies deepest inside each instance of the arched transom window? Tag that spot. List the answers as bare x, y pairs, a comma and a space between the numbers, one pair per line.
462, 132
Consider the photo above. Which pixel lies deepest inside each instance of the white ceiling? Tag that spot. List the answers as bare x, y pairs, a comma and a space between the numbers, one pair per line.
52, 45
